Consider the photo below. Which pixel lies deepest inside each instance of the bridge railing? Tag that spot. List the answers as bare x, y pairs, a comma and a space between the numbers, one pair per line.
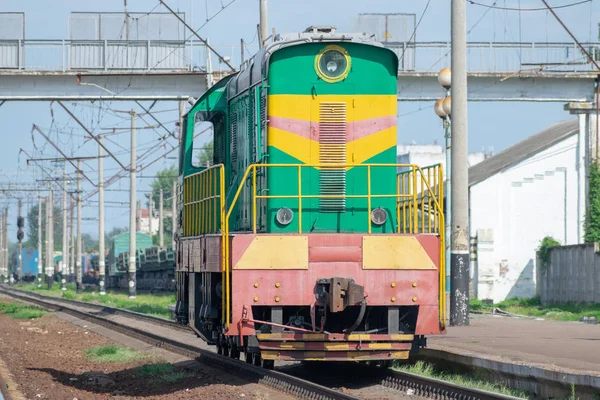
497, 56
165, 55
98, 55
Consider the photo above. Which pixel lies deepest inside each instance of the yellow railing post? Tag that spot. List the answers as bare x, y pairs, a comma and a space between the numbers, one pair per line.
414, 202
254, 198
398, 203
369, 197
299, 199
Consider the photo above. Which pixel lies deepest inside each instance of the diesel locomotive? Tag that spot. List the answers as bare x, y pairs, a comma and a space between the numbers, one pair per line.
301, 238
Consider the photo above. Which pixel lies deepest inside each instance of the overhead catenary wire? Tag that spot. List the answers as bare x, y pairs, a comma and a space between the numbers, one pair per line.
590, 58
415, 30
195, 33
493, 6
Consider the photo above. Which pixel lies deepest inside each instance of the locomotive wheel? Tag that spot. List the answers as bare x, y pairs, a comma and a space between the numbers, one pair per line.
226, 349
257, 360
234, 352
219, 348
269, 364
249, 358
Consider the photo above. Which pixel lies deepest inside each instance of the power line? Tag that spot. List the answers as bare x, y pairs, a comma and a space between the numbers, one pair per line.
525, 9
416, 27
589, 57
194, 32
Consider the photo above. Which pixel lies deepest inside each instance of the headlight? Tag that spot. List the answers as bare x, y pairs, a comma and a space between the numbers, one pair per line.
284, 216
378, 216
332, 66
332, 63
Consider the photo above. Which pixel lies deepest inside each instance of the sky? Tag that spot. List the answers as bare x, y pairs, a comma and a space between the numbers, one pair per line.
224, 22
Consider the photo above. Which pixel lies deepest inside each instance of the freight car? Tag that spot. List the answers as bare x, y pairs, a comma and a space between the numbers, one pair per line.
303, 239
155, 266
29, 259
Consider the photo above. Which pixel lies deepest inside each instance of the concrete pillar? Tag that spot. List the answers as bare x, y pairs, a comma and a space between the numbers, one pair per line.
582, 167
588, 148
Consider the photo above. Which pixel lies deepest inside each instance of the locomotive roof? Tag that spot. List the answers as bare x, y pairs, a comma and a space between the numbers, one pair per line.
249, 75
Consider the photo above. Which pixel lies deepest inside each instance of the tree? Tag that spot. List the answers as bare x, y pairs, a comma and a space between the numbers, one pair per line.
206, 153
592, 225
89, 243
108, 236
164, 180
32, 227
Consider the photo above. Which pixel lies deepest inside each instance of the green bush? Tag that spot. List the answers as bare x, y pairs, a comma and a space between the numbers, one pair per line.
592, 223
543, 251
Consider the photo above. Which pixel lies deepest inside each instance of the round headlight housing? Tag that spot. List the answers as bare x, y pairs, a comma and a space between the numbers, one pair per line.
284, 216
332, 63
378, 216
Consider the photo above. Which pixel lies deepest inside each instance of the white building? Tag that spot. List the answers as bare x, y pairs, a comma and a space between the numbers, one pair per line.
429, 154
145, 223
533, 189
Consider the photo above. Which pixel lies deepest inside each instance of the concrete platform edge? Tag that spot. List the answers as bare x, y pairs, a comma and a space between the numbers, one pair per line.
544, 383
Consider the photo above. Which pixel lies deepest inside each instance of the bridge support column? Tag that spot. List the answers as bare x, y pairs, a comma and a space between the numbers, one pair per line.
588, 149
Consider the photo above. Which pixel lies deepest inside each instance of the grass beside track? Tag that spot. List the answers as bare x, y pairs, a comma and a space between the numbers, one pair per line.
20, 311
112, 353
533, 307
163, 371
152, 304
429, 370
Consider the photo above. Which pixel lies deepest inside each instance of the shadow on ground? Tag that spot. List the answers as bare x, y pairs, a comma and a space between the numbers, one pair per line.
141, 381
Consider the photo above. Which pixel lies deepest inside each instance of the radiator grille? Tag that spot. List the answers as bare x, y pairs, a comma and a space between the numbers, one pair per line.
332, 150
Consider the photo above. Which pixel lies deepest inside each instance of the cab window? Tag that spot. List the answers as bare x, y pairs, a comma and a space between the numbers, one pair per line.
203, 142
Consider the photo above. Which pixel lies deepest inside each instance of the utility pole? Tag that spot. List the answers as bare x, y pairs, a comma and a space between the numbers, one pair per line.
150, 208
20, 239
50, 236
3, 269
459, 253
39, 243
72, 247
181, 114
47, 239
132, 211
138, 216
101, 264
126, 21
2, 260
241, 51
264, 23
79, 272
6, 258
161, 242
174, 211
65, 238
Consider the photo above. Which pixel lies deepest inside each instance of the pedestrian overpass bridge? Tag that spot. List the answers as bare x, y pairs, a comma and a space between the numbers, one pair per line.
41, 70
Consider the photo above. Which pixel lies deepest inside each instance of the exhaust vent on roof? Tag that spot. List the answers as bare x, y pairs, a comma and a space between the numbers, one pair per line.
320, 29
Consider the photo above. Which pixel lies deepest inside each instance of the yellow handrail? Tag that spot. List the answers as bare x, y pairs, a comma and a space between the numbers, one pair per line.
407, 194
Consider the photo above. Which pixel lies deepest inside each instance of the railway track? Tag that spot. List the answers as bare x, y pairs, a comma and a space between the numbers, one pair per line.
404, 382
98, 314
437, 389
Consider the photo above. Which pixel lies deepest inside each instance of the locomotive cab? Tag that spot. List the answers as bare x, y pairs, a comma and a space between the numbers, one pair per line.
300, 237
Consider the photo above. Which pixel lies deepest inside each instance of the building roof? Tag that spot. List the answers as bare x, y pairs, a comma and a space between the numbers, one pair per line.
523, 150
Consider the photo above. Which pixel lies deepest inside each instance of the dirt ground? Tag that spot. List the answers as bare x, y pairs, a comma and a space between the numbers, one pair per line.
46, 358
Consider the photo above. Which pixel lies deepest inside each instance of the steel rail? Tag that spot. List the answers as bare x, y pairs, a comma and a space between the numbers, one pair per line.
438, 389
289, 384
